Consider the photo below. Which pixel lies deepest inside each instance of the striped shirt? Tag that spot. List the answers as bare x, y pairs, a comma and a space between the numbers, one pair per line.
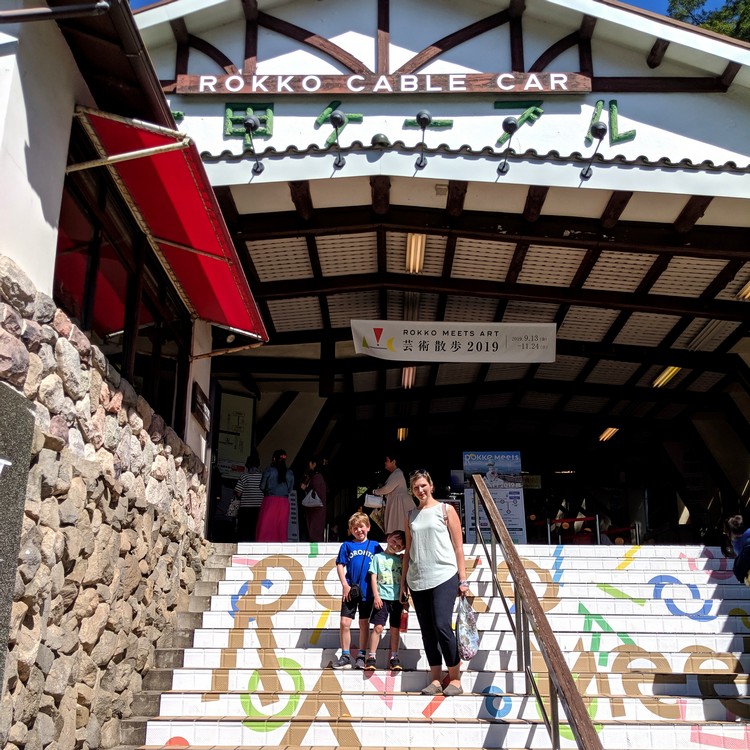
248, 488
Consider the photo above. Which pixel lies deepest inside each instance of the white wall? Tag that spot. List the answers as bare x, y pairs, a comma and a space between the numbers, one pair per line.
200, 372
39, 87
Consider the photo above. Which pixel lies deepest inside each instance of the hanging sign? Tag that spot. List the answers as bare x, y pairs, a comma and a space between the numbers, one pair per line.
411, 83
411, 341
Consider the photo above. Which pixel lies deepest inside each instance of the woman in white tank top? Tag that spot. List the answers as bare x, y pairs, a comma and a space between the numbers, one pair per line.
434, 571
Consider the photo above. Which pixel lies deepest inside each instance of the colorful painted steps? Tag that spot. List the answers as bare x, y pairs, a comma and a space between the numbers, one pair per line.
657, 639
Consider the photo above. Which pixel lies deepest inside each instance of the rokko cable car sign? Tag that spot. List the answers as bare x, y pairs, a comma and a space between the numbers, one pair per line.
412, 83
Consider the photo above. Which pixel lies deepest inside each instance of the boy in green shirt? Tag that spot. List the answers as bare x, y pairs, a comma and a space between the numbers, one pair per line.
385, 583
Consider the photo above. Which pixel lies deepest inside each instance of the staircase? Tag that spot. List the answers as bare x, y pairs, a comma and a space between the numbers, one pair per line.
657, 638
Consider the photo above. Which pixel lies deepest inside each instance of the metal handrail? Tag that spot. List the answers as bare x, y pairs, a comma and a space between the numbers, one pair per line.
529, 616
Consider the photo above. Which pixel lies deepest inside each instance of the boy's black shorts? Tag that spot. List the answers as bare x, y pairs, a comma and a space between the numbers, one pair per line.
390, 611
350, 609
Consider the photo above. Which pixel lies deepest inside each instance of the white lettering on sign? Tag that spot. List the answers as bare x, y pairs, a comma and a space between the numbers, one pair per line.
282, 84
502, 77
428, 84
234, 84
382, 85
457, 82
208, 83
259, 83
311, 83
533, 83
558, 80
4, 463
409, 83
350, 83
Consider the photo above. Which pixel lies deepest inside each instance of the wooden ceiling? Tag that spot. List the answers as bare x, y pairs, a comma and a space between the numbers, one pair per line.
629, 297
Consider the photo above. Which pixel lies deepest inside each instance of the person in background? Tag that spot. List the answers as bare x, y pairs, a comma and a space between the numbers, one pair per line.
739, 535
398, 501
434, 570
604, 525
315, 517
276, 484
248, 491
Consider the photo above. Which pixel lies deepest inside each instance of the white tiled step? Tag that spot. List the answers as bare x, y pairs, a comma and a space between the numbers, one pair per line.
487, 660
448, 733
564, 588
637, 622
489, 639
382, 681
396, 706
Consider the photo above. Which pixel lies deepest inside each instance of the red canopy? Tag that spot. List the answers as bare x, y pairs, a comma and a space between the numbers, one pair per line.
169, 193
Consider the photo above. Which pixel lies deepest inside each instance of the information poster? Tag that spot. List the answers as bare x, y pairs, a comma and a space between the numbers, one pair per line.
293, 528
502, 475
235, 434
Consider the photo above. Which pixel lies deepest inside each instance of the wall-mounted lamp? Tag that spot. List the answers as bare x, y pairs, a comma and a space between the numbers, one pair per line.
252, 123
598, 131
610, 432
380, 140
424, 118
338, 120
408, 376
510, 126
415, 246
665, 376
402, 433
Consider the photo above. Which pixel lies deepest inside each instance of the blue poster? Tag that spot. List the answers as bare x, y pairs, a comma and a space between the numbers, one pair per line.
502, 475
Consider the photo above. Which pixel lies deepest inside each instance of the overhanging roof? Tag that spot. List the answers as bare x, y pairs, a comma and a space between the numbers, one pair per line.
165, 185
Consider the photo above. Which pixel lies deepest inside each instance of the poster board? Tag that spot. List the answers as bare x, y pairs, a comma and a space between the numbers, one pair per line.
235, 434
502, 475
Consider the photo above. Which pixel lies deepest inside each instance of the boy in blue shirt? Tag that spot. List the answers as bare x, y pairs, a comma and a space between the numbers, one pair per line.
353, 566
385, 580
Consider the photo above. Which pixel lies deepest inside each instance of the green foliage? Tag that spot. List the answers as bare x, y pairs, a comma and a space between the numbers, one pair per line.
731, 19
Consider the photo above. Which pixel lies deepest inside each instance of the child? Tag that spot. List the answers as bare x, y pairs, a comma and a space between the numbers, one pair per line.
353, 565
385, 580
739, 533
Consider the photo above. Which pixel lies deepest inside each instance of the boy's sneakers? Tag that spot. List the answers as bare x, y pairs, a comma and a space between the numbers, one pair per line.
343, 662
395, 664
370, 663
360, 662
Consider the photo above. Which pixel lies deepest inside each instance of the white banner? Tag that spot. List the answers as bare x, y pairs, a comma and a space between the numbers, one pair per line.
411, 341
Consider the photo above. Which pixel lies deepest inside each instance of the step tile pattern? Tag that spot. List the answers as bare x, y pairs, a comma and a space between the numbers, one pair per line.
658, 639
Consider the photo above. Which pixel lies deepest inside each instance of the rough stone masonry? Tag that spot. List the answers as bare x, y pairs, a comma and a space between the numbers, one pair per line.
110, 539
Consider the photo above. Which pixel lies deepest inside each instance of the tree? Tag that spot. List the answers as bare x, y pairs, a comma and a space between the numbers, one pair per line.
731, 19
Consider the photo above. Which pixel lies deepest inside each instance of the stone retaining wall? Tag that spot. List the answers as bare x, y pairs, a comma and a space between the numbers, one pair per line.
111, 540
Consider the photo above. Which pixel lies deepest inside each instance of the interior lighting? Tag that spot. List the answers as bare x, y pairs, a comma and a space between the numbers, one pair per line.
415, 245
402, 433
408, 376
608, 433
665, 376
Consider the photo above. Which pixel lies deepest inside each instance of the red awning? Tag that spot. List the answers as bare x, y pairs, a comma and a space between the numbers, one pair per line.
169, 193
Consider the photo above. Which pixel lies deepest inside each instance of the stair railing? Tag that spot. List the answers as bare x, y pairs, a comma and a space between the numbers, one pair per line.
529, 616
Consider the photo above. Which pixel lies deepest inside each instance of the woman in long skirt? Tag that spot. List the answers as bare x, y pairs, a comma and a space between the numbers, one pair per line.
277, 482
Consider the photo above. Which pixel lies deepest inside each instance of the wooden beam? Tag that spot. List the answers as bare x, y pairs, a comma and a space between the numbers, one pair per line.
300, 194
517, 61
534, 202
693, 210
729, 74
656, 55
384, 37
380, 187
454, 204
313, 40
213, 53
585, 58
618, 202
453, 40
250, 9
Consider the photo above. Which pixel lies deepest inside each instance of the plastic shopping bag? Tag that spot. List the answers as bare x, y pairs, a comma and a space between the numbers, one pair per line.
466, 630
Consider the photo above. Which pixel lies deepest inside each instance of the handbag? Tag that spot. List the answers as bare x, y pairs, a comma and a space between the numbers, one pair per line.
312, 500
466, 630
374, 501
378, 517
